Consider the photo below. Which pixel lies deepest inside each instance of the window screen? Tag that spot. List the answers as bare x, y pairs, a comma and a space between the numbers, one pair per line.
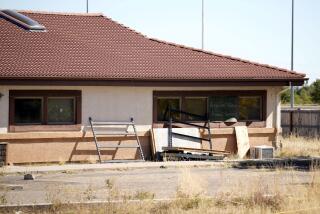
163, 104
222, 108
27, 110
195, 105
217, 106
250, 108
61, 111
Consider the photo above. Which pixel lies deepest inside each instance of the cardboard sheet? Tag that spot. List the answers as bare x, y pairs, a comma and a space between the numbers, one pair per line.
161, 138
242, 140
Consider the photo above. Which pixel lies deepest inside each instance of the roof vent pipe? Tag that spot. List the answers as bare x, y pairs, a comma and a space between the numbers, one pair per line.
22, 20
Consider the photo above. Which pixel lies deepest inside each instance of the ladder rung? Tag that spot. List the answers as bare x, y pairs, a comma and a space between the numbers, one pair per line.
112, 133
118, 146
104, 133
112, 123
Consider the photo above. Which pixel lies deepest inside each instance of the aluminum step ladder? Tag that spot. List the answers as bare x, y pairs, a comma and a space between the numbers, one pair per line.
101, 129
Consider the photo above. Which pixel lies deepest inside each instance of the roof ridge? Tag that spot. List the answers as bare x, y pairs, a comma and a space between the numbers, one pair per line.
60, 13
129, 28
227, 56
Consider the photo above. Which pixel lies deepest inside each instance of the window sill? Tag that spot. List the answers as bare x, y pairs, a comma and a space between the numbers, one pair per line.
44, 128
249, 124
69, 136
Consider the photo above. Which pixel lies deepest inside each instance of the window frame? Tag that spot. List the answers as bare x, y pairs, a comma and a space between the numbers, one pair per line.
166, 97
207, 94
45, 94
231, 95
261, 104
184, 107
42, 103
74, 110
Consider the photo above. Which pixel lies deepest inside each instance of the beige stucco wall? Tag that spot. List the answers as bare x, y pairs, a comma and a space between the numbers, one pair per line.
120, 103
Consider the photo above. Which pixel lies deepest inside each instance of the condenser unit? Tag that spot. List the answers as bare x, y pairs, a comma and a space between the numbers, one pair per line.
261, 152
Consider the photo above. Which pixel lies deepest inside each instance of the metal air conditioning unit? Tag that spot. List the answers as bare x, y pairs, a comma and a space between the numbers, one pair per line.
261, 152
3, 151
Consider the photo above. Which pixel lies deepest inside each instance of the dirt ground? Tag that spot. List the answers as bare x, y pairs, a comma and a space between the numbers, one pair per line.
162, 182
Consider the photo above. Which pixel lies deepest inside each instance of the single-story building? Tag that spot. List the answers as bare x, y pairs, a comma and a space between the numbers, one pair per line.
59, 69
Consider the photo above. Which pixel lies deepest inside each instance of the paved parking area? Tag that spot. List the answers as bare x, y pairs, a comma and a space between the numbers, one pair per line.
160, 181
113, 166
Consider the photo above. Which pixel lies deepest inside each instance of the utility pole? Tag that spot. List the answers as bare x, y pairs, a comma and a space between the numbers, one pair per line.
87, 6
292, 43
202, 27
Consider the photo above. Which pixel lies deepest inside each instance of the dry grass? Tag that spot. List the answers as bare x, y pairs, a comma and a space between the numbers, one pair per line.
3, 197
298, 146
234, 196
191, 185
284, 193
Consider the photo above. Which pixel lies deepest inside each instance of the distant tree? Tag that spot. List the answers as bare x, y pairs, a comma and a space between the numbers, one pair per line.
285, 97
297, 99
315, 93
304, 95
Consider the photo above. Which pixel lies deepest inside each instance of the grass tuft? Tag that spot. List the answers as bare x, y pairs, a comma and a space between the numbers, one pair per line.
298, 146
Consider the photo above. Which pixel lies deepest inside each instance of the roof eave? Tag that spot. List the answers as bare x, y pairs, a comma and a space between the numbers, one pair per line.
153, 82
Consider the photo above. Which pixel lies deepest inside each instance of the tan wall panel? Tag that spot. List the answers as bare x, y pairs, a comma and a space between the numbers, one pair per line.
83, 149
229, 142
62, 150
225, 142
261, 139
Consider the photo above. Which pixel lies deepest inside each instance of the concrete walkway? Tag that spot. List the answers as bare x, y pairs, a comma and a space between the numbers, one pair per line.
104, 166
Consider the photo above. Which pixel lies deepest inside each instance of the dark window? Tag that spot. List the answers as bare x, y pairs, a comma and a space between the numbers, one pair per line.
245, 106
195, 105
37, 107
250, 108
163, 103
222, 108
28, 110
61, 110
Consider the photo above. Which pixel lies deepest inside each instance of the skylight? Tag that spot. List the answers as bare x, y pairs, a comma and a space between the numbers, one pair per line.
22, 20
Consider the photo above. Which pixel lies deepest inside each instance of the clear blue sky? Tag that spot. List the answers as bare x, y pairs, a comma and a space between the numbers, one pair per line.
257, 30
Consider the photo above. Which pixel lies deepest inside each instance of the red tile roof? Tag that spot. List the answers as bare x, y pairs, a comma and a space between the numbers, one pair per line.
93, 47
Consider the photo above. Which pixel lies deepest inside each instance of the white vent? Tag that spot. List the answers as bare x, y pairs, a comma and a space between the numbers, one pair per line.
261, 152
3, 149
22, 20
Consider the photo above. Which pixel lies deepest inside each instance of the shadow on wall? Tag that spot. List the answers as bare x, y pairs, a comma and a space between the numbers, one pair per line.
72, 149
107, 154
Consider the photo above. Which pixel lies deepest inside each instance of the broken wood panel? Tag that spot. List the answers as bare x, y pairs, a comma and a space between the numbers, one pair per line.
242, 140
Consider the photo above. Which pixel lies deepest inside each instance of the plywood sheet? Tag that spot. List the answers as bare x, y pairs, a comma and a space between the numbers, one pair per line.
161, 138
242, 140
